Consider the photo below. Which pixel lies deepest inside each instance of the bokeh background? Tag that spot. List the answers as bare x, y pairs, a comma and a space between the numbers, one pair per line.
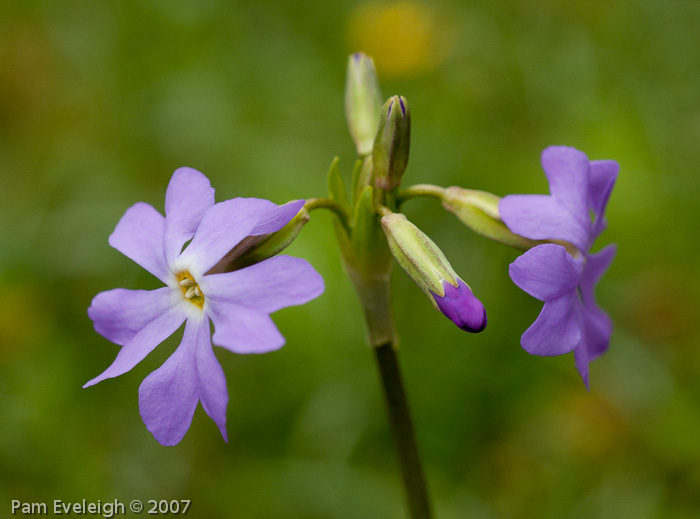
101, 101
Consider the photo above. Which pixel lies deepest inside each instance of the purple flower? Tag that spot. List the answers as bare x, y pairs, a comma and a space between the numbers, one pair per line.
238, 303
565, 279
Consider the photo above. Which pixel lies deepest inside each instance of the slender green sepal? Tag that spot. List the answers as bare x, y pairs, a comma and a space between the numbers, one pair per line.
336, 186
371, 252
361, 177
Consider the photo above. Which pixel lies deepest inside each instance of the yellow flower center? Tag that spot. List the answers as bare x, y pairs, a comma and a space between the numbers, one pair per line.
190, 289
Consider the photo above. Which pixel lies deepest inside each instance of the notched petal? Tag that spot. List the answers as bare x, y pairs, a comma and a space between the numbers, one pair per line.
168, 397
543, 217
275, 283
212, 385
188, 197
273, 217
557, 330
546, 271
244, 330
567, 170
139, 236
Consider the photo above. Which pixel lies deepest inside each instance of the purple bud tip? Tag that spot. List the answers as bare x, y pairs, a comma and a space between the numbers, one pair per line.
403, 107
462, 307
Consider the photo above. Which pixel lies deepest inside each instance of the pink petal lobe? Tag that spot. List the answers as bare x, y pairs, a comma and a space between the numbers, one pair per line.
168, 397
274, 217
188, 197
139, 236
556, 330
267, 286
244, 330
140, 333
543, 217
212, 384
546, 271
567, 170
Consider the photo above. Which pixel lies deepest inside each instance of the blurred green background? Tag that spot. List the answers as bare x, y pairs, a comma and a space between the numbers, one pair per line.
101, 101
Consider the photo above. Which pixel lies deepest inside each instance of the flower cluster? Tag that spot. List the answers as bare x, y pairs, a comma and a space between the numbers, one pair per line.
238, 303
220, 266
563, 274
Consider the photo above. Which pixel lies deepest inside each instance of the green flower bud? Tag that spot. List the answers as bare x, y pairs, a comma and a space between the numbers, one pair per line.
418, 255
478, 210
363, 101
392, 143
428, 267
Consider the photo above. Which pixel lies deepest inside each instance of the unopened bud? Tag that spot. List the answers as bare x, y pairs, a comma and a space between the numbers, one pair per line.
462, 307
428, 267
363, 102
392, 143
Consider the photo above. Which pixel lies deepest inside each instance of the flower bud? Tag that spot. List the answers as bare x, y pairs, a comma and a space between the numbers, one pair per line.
363, 102
392, 143
478, 210
428, 267
462, 307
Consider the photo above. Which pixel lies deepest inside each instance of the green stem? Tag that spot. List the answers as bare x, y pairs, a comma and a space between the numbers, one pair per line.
402, 429
327, 203
427, 190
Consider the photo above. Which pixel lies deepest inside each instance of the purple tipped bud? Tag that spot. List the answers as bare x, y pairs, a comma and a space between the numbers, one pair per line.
462, 307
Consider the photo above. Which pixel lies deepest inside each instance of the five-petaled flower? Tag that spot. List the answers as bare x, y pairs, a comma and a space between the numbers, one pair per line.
565, 279
238, 303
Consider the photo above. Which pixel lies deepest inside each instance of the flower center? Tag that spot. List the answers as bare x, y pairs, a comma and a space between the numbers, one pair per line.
190, 288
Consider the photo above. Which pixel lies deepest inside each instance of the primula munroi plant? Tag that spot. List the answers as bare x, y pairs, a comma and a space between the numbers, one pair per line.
221, 263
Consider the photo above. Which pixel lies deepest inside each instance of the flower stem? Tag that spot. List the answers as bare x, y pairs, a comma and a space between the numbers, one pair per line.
417, 190
402, 429
327, 203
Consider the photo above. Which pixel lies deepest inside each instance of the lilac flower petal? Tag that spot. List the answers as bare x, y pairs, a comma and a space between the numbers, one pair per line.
244, 330
557, 330
139, 236
546, 271
119, 314
581, 358
267, 286
598, 328
142, 343
168, 397
597, 325
595, 267
597, 332
188, 197
276, 216
568, 173
603, 177
462, 307
212, 384
222, 227
541, 217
